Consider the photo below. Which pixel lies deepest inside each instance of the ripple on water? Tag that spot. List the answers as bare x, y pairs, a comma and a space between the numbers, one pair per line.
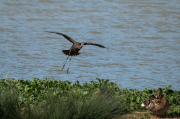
142, 39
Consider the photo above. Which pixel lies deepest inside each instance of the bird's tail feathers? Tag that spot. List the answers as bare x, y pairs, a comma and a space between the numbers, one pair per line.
66, 52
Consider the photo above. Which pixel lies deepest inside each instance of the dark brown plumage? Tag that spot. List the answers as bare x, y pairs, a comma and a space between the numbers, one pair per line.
159, 94
74, 50
158, 105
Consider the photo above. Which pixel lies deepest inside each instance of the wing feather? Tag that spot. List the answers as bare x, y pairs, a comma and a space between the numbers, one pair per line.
64, 35
94, 44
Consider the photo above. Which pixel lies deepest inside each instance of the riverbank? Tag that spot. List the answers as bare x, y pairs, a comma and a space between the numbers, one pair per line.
98, 99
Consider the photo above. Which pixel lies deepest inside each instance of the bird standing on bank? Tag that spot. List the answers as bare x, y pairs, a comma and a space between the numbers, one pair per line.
158, 105
74, 50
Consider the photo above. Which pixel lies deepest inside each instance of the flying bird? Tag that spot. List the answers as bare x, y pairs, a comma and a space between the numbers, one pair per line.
74, 50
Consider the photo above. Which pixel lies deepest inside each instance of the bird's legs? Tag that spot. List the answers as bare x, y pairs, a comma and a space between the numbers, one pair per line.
69, 65
65, 62
156, 116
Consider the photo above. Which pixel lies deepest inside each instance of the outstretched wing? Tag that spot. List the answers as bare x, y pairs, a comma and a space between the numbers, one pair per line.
64, 35
94, 44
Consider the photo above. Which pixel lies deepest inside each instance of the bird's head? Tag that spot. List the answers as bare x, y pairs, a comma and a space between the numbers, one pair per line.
82, 44
159, 94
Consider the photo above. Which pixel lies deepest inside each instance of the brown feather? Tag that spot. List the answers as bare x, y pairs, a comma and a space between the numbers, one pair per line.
66, 52
158, 105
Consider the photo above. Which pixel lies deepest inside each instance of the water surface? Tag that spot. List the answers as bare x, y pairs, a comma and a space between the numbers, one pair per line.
143, 38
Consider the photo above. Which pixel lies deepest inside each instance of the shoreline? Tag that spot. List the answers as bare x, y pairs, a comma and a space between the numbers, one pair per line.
119, 102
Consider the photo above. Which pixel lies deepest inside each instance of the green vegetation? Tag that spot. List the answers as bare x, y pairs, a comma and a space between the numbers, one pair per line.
55, 99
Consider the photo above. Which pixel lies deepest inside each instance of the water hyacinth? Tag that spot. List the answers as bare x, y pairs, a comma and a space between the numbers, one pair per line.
45, 98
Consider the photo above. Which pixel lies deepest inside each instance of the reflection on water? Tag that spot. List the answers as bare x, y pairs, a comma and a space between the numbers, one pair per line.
143, 38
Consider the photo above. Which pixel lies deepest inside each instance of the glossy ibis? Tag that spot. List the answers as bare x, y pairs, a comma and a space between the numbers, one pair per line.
74, 50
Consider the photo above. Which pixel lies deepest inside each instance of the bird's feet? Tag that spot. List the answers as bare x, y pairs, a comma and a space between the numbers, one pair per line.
156, 116
67, 70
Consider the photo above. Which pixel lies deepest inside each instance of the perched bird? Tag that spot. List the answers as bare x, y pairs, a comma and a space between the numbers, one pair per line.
158, 105
74, 50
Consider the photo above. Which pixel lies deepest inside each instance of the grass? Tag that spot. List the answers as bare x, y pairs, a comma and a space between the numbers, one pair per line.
101, 99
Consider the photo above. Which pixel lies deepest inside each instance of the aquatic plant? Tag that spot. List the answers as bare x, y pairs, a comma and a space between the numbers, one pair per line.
47, 98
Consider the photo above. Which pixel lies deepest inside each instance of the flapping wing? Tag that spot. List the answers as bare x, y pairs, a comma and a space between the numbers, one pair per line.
94, 44
64, 35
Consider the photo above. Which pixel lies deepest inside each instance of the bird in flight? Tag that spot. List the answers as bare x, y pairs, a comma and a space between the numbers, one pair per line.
74, 50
